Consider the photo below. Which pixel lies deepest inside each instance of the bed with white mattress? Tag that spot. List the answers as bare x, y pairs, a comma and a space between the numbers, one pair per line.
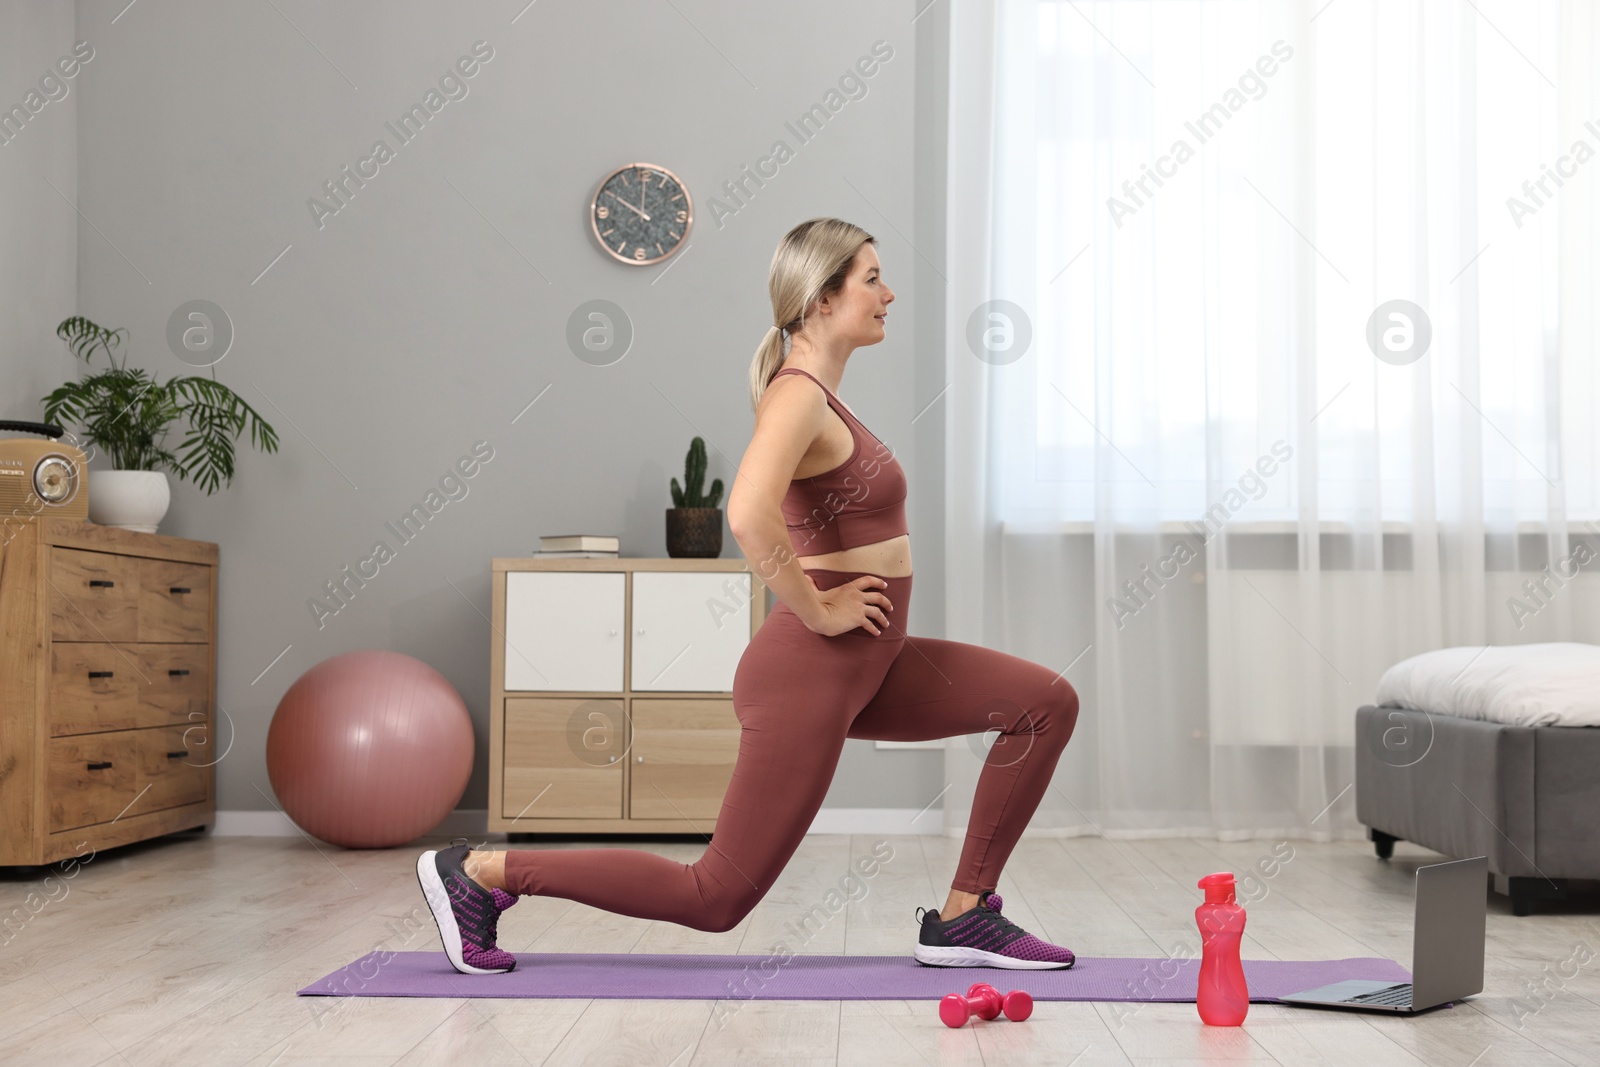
1493, 751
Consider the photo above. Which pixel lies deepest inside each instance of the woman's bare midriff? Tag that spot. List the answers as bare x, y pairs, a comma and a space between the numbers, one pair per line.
887, 559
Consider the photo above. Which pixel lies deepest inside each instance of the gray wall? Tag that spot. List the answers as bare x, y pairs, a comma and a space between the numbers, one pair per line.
432, 308
38, 227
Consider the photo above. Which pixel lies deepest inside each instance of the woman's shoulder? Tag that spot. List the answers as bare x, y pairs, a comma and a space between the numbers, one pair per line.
799, 386
786, 377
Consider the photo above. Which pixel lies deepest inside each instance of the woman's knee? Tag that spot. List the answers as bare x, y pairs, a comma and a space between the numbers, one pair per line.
1057, 708
723, 894
1066, 698
725, 913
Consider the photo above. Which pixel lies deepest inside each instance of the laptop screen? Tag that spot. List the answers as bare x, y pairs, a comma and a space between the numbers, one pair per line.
1447, 940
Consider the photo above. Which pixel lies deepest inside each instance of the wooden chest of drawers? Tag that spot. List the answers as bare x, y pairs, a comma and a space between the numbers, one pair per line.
107, 687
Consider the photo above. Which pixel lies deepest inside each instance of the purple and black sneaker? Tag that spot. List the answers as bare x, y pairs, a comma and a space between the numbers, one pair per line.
982, 937
465, 912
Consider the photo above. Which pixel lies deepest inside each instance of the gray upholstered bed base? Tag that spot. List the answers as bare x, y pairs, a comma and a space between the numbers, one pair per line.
1528, 798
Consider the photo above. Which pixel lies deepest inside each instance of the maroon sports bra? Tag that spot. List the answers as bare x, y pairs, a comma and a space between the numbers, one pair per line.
859, 502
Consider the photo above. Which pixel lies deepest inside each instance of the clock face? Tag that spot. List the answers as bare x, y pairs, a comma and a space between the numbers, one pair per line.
641, 213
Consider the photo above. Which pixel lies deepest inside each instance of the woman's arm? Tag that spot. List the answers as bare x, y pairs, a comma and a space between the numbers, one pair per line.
764, 539
789, 420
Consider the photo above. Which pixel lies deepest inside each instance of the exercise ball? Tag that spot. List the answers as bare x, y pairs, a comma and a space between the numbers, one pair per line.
370, 749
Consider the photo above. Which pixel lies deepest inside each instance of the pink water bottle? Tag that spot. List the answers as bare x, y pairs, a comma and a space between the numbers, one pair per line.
1221, 997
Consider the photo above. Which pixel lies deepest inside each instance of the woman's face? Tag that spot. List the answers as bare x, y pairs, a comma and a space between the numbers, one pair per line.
857, 312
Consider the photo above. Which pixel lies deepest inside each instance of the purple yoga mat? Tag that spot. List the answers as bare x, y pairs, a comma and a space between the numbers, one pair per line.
615, 976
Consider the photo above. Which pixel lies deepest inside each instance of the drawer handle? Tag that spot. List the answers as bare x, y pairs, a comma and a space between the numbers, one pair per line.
178, 755
180, 589
178, 672
100, 766
101, 583
99, 674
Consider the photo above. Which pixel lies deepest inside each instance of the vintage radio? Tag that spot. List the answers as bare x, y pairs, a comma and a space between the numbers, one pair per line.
41, 478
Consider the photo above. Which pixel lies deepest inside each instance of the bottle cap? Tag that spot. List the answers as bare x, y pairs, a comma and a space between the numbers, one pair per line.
1218, 887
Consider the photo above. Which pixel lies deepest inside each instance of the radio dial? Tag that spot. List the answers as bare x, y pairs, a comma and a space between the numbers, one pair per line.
54, 479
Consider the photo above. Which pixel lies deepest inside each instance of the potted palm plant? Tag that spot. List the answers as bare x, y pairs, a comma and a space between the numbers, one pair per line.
125, 413
694, 526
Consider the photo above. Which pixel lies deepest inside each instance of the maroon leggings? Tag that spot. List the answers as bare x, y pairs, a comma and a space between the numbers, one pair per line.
798, 695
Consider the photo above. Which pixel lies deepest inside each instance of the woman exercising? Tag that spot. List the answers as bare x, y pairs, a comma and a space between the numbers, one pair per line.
818, 508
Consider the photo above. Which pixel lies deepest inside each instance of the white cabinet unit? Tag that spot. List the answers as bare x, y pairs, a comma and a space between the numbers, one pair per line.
689, 630
563, 631
612, 692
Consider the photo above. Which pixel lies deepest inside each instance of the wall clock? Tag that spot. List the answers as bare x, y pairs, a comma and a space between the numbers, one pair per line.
641, 213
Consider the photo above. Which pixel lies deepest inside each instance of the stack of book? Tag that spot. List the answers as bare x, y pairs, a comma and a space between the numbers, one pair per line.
578, 546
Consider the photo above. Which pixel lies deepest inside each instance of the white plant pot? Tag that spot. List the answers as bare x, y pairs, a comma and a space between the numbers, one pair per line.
132, 500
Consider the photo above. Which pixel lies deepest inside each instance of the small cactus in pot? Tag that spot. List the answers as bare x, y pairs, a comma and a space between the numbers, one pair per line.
694, 523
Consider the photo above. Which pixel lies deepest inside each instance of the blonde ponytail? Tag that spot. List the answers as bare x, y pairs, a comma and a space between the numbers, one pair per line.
812, 261
769, 355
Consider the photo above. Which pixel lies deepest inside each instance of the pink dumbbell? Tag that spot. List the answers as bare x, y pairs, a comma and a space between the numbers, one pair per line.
984, 1001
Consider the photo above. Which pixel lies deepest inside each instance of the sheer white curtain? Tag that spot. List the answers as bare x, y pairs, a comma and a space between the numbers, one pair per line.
1178, 467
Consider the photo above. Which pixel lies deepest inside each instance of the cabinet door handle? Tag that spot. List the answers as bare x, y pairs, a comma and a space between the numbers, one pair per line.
613, 633
182, 752
178, 672
101, 583
100, 766
99, 674
179, 589
638, 759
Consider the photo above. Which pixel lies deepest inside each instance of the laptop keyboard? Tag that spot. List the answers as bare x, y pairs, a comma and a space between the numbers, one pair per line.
1394, 995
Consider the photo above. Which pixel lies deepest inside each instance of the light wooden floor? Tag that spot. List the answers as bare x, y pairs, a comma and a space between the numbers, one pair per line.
189, 950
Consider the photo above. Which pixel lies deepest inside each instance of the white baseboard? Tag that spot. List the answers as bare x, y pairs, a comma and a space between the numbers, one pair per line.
462, 823
878, 821
893, 821
470, 822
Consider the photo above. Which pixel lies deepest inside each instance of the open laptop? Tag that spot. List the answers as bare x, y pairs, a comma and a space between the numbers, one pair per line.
1446, 947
